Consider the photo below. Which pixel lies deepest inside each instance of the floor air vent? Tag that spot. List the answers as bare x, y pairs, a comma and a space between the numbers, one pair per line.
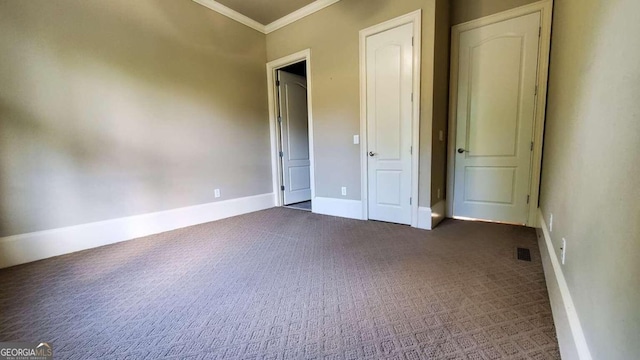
524, 254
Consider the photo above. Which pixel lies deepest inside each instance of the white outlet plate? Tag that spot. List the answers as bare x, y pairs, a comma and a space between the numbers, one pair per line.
356, 139
564, 249
216, 193
344, 191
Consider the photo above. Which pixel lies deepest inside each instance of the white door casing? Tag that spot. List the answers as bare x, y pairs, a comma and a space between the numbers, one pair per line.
495, 113
389, 76
294, 130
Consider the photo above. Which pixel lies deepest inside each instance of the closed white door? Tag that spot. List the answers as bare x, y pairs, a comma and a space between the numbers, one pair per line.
294, 132
495, 115
389, 71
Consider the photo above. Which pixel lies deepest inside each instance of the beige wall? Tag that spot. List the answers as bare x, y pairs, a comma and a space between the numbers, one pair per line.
440, 100
332, 36
591, 167
467, 10
115, 108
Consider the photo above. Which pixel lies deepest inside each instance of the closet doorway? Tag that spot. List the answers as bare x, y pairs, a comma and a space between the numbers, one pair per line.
289, 99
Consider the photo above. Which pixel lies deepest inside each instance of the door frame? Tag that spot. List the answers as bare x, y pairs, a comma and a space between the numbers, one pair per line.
276, 146
545, 8
415, 18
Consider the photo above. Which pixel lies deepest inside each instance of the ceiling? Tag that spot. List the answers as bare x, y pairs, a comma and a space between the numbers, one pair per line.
265, 11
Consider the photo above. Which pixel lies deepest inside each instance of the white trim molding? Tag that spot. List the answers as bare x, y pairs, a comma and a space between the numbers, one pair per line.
276, 165
298, 14
429, 218
231, 14
424, 218
571, 339
437, 213
24, 248
414, 17
545, 8
273, 26
345, 208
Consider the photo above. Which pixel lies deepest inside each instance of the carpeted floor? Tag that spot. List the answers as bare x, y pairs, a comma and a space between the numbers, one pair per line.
288, 284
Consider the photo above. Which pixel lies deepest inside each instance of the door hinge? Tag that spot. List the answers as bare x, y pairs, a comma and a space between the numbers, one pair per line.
536, 91
282, 187
410, 201
412, 39
532, 146
528, 196
277, 82
281, 154
411, 97
540, 31
411, 150
280, 119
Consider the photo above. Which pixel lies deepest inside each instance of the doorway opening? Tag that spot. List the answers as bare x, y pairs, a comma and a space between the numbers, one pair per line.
291, 131
496, 116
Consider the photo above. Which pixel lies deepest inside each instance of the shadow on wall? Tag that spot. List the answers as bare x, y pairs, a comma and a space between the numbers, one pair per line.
566, 72
590, 167
111, 109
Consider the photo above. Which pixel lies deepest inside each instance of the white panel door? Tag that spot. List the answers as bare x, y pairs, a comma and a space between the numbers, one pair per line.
495, 116
294, 132
389, 71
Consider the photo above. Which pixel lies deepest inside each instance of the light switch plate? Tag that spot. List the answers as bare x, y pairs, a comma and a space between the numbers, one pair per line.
356, 139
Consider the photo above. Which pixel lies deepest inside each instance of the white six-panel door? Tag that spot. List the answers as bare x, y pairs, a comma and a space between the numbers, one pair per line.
389, 71
495, 116
294, 133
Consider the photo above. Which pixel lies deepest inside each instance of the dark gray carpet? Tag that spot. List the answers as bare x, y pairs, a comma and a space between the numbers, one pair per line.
287, 284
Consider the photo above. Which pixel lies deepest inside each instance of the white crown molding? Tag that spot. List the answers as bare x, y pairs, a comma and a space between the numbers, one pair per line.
232, 14
265, 29
299, 14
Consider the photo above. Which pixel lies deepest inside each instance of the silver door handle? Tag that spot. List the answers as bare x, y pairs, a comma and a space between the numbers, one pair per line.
371, 153
461, 150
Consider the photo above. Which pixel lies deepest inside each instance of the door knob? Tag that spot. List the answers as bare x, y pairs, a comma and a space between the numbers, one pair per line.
461, 150
371, 153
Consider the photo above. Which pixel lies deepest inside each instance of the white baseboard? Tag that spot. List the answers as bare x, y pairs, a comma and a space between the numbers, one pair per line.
573, 344
351, 209
429, 218
437, 213
424, 218
24, 248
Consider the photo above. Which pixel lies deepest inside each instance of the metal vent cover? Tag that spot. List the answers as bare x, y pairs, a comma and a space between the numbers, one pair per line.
523, 254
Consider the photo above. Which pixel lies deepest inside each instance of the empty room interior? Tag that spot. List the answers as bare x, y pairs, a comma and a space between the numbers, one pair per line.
320, 179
